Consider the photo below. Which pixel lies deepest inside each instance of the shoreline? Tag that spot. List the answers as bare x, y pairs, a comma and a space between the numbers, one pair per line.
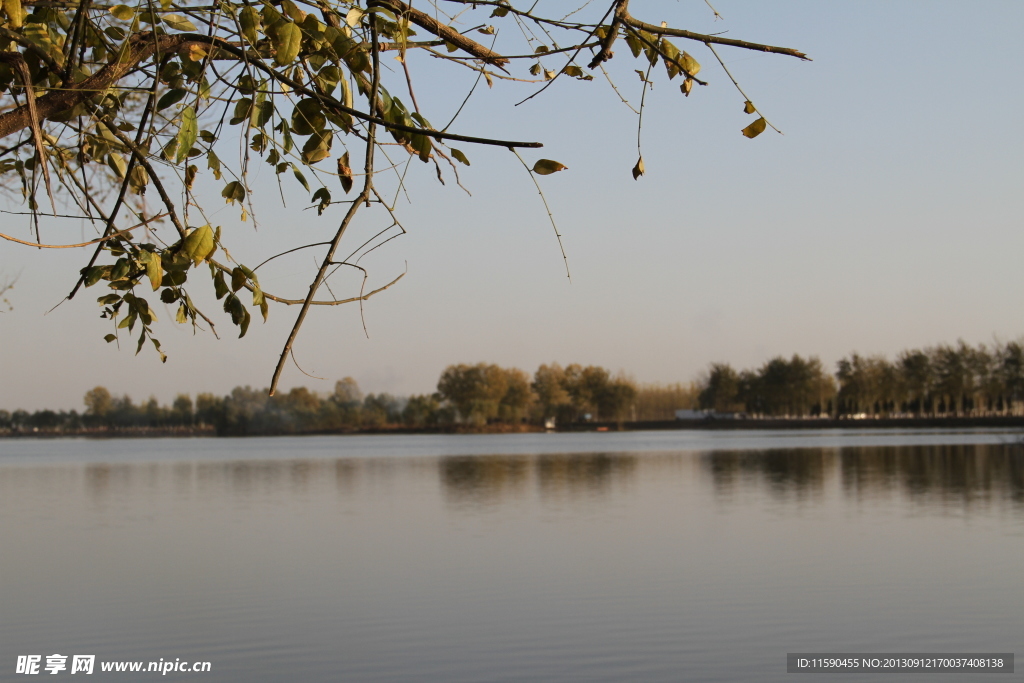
711, 424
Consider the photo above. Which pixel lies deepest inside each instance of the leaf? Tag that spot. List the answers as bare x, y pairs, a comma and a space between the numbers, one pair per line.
686, 86
353, 16
249, 19
233, 192
187, 134
689, 64
460, 156
486, 30
573, 70
154, 271
308, 117
298, 176
237, 279
168, 296
535, 69
547, 167
190, 175
110, 337
198, 244
182, 316
15, 12
171, 97
345, 172
122, 12
117, 164
178, 22
748, 107
638, 170
755, 129
220, 287
287, 42
323, 196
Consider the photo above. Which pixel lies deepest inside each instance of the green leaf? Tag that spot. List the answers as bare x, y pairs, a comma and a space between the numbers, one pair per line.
220, 287
110, 337
308, 117
249, 19
298, 176
460, 156
122, 12
748, 107
178, 22
198, 244
233, 192
547, 167
171, 97
323, 197
187, 134
154, 271
117, 164
755, 129
638, 170
287, 42
237, 279
168, 296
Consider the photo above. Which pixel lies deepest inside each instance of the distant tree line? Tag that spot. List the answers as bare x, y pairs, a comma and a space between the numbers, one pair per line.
939, 381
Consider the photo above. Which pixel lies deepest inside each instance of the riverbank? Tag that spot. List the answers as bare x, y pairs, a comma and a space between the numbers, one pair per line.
1006, 422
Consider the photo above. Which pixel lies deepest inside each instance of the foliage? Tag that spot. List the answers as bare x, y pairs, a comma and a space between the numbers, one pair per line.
106, 106
942, 380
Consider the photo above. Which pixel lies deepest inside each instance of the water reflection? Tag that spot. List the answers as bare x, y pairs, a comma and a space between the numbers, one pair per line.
944, 473
950, 474
489, 480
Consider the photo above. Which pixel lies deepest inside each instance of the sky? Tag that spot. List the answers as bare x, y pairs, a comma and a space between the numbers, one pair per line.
887, 217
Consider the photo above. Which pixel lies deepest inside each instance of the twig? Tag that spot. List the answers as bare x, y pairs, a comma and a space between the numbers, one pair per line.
745, 97
547, 208
111, 236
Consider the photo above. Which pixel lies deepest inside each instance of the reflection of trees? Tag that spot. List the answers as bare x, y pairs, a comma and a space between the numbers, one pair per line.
587, 474
945, 472
783, 472
483, 479
967, 472
492, 478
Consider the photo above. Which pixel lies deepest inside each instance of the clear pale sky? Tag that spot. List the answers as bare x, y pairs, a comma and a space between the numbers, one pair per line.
887, 217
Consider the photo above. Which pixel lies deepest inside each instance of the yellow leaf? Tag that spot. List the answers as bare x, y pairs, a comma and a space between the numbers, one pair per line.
756, 128
748, 107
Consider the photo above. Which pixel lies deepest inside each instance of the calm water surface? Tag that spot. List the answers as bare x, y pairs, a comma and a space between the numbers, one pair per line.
669, 556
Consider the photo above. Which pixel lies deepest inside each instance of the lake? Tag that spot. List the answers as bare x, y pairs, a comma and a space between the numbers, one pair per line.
643, 556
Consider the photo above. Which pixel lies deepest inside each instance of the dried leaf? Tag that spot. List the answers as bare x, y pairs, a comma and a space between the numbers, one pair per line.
748, 107
686, 86
345, 173
638, 170
547, 167
689, 64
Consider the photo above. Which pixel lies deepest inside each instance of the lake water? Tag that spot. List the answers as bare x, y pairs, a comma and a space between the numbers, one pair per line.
668, 556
